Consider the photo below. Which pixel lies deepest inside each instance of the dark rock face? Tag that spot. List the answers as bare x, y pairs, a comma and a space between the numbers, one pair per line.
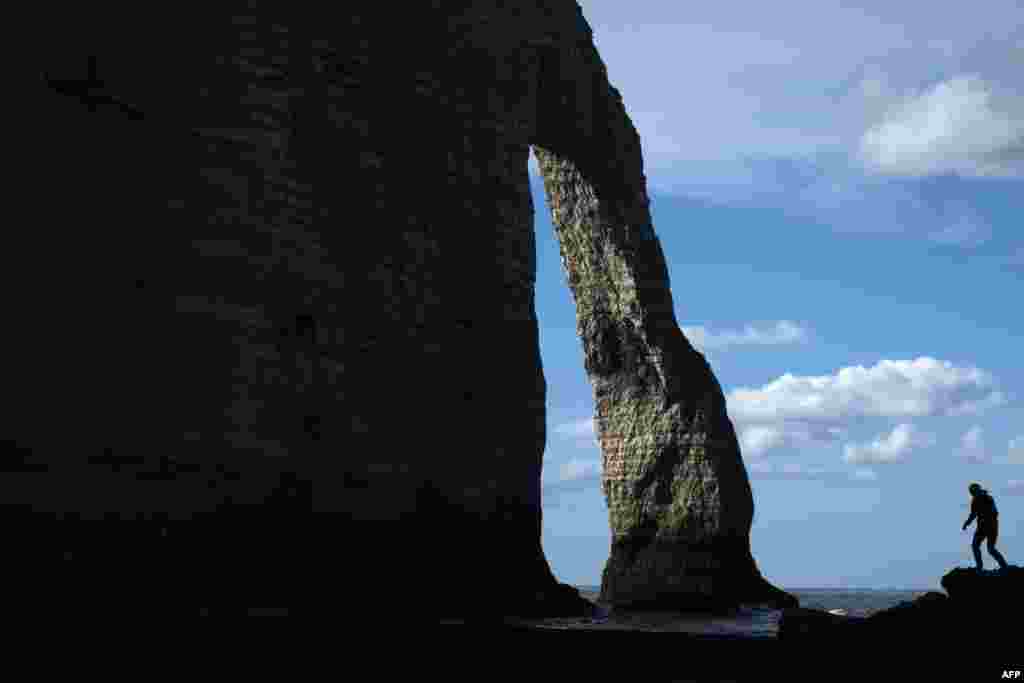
277, 335
986, 589
978, 608
799, 623
928, 611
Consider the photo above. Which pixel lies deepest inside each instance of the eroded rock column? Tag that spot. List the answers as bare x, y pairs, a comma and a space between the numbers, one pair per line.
680, 503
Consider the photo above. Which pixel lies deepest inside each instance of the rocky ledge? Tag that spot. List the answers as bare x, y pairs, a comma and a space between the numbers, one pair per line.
976, 606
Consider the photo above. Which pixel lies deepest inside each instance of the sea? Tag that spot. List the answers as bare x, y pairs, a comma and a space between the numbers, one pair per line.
752, 622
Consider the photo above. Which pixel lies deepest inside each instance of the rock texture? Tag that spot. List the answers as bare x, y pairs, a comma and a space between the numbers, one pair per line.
680, 503
276, 322
679, 500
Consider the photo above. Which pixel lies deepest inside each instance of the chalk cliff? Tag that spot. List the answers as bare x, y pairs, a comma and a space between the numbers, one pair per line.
277, 315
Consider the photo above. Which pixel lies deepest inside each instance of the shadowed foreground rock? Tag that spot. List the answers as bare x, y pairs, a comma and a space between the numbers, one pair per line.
986, 589
978, 608
276, 339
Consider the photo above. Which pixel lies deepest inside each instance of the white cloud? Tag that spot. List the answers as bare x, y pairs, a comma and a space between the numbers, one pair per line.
891, 388
769, 91
887, 448
772, 85
1015, 451
782, 332
757, 439
972, 445
953, 127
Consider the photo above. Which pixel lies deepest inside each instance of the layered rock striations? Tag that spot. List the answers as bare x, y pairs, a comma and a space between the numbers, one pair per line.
277, 326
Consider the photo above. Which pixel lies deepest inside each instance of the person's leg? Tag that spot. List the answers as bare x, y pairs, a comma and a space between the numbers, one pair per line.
993, 535
976, 547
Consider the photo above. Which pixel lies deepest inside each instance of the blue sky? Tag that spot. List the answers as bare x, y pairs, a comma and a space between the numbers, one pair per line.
838, 193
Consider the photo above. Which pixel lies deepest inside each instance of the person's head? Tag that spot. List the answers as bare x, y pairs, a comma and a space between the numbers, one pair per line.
975, 489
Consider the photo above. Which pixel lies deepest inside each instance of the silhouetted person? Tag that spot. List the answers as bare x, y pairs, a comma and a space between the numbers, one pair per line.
983, 506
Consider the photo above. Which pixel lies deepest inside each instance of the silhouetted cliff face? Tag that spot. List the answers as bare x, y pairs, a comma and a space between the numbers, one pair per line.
277, 298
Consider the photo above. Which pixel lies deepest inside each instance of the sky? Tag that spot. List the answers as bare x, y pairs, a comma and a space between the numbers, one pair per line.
838, 193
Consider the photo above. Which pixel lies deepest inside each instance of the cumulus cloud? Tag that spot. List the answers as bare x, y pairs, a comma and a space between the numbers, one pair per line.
814, 413
782, 332
891, 388
952, 127
757, 439
1015, 451
887, 448
818, 122
972, 445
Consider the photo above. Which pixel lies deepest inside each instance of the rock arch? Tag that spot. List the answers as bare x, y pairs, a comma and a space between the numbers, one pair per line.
296, 345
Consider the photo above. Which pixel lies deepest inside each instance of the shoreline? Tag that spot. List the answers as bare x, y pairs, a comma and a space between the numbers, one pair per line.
746, 623
742, 624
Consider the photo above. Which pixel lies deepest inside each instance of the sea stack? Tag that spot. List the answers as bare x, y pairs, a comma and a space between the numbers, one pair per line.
679, 500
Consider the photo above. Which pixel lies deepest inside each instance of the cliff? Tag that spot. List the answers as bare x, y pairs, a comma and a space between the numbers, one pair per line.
277, 339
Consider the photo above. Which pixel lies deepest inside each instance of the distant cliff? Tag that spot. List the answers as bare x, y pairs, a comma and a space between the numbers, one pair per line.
275, 315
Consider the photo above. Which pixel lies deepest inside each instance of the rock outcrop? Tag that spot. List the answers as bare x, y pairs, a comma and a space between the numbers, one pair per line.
1003, 589
976, 607
276, 317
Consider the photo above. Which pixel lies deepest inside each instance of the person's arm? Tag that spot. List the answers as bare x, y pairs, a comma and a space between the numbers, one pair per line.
974, 513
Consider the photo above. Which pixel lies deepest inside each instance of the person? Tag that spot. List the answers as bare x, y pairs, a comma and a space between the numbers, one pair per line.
983, 507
